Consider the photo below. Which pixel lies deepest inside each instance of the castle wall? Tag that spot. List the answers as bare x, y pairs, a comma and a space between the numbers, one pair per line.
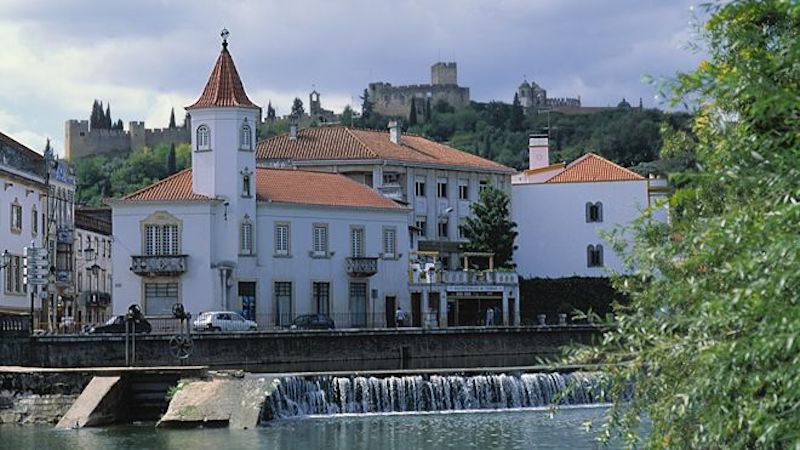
396, 100
80, 141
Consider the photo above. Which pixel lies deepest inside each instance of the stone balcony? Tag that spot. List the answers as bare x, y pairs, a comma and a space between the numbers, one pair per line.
464, 277
361, 267
160, 265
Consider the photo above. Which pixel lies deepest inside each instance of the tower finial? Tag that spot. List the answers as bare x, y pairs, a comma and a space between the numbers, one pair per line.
224, 34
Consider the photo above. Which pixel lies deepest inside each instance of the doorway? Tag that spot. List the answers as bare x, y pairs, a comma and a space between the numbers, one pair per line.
391, 305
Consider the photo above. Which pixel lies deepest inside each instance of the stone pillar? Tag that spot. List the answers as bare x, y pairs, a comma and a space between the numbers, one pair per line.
517, 302
425, 305
443, 308
505, 307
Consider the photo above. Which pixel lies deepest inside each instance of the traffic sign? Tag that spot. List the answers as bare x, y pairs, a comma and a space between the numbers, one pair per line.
36, 266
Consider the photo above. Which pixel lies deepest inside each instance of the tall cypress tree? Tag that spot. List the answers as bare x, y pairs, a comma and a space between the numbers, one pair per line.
427, 110
366, 106
171, 163
107, 122
490, 228
412, 115
95, 117
517, 116
172, 119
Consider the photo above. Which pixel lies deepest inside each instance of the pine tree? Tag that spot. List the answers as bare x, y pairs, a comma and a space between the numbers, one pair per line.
366, 106
172, 119
107, 117
171, 164
490, 228
270, 111
412, 115
297, 108
517, 116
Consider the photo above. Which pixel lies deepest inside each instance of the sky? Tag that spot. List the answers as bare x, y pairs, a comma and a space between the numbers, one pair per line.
147, 56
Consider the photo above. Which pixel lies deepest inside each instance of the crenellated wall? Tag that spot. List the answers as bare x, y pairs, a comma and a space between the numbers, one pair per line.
80, 141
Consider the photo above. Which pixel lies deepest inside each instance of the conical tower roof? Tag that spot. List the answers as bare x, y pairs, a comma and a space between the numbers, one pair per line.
224, 87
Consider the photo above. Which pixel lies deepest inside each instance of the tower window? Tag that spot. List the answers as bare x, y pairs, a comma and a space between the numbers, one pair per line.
246, 237
594, 256
246, 185
246, 138
203, 138
594, 212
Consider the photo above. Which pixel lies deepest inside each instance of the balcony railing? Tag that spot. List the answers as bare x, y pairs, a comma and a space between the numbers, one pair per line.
96, 298
65, 236
161, 265
464, 277
361, 267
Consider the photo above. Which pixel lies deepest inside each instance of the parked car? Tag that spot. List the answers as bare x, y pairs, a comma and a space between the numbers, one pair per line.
116, 324
313, 322
223, 321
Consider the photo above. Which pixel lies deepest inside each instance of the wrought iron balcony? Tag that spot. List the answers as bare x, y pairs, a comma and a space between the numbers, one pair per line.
96, 298
65, 235
361, 267
160, 265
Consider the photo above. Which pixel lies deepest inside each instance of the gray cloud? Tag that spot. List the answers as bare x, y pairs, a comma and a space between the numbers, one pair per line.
145, 55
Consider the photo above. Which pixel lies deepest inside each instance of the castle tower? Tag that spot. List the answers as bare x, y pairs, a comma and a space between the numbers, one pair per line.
443, 73
223, 130
314, 106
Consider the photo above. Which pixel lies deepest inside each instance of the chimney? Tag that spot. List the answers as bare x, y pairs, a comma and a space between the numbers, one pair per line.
538, 150
293, 131
395, 132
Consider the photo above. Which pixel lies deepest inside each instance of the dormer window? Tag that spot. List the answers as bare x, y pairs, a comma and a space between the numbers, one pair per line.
246, 137
203, 138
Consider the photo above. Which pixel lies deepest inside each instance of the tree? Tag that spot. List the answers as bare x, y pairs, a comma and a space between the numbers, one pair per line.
96, 118
107, 117
297, 108
366, 106
517, 116
427, 109
172, 124
708, 348
490, 228
412, 115
118, 125
171, 163
270, 111
347, 116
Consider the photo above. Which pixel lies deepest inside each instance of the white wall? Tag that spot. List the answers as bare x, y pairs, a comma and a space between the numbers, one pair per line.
554, 234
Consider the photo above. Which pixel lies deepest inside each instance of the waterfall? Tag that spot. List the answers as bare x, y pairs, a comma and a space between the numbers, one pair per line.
325, 395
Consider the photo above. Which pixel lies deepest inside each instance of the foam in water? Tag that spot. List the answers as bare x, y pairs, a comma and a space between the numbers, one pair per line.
300, 396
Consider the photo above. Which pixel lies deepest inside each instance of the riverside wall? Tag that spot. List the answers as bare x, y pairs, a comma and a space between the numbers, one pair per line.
313, 351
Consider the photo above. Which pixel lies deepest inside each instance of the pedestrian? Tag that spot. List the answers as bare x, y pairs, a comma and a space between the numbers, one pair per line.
489, 317
399, 317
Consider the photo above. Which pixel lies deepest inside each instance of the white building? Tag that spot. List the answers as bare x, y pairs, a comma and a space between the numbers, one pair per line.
93, 279
561, 209
271, 243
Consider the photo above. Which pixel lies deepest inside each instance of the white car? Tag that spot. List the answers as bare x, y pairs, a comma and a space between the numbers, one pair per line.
223, 321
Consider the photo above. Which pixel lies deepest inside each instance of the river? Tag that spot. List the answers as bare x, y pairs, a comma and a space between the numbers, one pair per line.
539, 428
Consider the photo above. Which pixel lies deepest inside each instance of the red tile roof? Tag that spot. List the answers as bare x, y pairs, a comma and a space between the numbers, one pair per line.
278, 185
176, 187
344, 143
317, 188
593, 168
224, 87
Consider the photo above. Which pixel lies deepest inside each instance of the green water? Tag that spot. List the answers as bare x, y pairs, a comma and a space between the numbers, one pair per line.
566, 429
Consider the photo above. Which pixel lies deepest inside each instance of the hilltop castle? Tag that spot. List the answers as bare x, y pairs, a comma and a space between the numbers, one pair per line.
80, 141
533, 96
396, 100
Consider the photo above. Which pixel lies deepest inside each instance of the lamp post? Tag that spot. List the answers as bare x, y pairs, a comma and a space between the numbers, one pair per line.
90, 255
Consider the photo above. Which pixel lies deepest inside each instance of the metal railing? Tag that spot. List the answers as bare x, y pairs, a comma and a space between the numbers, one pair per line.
341, 320
158, 265
465, 277
361, 266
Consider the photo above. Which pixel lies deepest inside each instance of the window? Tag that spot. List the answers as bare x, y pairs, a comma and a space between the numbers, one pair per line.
80, 244
419, 188
320, 238
34, 221
246, 137
594, 212
14, 284
594, 256
80, 282
357, 242
322, 297
422, 224
484, 184
247, 297
463, 191
462, 231
358, 304
102, 248
246, 237
246, 185
16, 216
283, 303
203, 138
389, 243
282, 239
159, 298
160, 240
441, 189
443, 226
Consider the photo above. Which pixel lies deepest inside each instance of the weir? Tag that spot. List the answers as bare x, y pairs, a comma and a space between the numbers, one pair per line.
327, 395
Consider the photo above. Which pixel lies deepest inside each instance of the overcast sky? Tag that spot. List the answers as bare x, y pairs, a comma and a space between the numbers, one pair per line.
147, 56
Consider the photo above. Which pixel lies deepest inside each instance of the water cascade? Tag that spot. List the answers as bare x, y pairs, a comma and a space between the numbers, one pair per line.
299, 396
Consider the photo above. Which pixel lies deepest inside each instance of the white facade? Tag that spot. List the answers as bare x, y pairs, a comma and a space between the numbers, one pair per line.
555, 232
93, 285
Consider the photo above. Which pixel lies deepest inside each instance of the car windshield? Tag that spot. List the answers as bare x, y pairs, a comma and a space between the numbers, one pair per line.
113, 320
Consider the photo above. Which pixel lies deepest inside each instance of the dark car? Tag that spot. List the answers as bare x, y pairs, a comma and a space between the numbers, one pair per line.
116, 324
313, 322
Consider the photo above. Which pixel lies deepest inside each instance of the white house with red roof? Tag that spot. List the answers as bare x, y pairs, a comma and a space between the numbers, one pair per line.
269, 243
560, 210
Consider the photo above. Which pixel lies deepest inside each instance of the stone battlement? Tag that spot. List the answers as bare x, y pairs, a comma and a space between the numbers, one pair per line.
80, 141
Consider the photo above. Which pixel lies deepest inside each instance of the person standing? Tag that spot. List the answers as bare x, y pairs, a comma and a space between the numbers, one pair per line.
490, 317
400, 317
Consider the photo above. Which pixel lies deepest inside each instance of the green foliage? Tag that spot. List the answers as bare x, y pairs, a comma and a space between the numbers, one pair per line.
104, 176
412, 114
709, 343
171, 160
366, 106
490, 228
297, 107
347, 116
553, 296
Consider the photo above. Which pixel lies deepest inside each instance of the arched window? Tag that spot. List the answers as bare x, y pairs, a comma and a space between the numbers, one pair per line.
246, 237
246, 137
34, 222
594, 212
203, 138
594, 256
246, 185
